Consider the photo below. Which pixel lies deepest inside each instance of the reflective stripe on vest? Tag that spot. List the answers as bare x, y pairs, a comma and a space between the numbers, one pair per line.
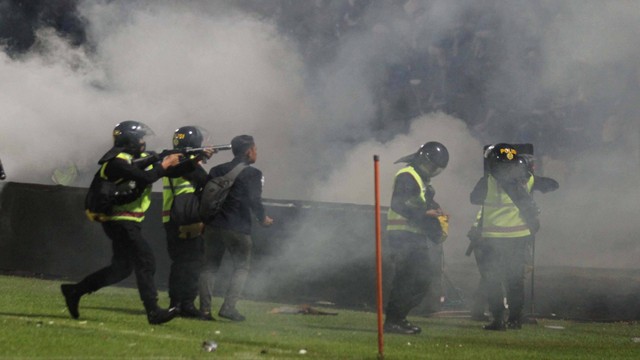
180, 186
397, 222
501, 217
133, 211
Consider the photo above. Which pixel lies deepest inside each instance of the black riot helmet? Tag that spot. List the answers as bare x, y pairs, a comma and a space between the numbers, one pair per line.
130, 135
188, 137
501, 153
431, 158
504, 161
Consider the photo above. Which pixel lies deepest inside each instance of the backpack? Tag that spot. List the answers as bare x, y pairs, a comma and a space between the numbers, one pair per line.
103, 195
216, 191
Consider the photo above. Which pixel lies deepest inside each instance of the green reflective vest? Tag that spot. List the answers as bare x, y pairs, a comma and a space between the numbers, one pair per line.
501, 218
397, 222
170, 189
133, 211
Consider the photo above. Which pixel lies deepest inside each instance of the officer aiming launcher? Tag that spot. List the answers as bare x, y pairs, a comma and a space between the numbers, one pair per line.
187, 152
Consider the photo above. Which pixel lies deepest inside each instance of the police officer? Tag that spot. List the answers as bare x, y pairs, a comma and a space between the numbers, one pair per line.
184, 241
131, 252
416, 225
526, 162
509, 222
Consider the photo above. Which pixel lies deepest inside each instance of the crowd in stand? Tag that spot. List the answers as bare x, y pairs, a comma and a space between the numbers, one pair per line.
481, 65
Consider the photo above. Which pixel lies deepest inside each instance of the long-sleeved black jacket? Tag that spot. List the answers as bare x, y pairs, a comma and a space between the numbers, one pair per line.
244, 198
190, 170
120, 169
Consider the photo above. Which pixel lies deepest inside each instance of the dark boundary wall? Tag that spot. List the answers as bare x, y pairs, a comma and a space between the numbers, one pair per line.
44, 232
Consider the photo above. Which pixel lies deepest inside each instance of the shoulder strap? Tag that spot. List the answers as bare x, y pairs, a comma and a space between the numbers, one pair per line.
231, 175
173, 191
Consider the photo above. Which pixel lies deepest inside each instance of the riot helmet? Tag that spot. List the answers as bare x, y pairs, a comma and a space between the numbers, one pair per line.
130, 135
188, 137
504, 161
430, 159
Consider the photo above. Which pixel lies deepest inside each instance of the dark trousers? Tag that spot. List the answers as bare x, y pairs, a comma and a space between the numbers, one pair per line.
413, 272
131, 253
480, 295
186, 263
216, 241
505, 264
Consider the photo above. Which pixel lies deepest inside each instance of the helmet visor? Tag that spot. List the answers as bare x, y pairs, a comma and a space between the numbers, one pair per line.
146, 136
143, 129
429, 168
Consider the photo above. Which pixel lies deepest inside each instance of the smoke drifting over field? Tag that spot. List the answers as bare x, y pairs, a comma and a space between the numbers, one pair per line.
316, 119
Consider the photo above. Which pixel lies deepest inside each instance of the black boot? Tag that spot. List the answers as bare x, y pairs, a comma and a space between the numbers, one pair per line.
514, 323
401, 327
188, 310
417, 329
496, 325
161, 316
72, 298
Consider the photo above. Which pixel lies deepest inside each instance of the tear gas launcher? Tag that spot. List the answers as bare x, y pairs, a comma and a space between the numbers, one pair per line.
154, 157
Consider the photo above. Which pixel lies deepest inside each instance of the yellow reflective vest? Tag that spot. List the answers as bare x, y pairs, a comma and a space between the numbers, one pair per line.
501, 217
133, 211
397, 222
170, 189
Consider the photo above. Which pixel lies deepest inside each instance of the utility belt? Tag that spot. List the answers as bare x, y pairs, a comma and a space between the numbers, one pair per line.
190, 231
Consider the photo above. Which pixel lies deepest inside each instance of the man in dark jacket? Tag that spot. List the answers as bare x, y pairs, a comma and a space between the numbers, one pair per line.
231, 228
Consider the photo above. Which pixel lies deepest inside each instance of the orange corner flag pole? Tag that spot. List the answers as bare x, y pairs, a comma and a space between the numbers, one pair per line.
376, 176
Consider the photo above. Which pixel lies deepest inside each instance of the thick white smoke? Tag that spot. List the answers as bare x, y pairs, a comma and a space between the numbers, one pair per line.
163, 65
170, 64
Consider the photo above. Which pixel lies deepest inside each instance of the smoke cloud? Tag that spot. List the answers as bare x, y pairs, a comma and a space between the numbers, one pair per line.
563, 76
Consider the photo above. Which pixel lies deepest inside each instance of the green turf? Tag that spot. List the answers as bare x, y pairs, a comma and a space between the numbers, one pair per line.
34, 323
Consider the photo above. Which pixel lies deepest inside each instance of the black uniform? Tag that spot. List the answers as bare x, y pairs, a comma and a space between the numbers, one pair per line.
416, 258
185, 251
131, 252
504, 260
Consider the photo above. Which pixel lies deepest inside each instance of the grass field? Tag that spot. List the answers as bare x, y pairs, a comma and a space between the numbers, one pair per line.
34, 323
